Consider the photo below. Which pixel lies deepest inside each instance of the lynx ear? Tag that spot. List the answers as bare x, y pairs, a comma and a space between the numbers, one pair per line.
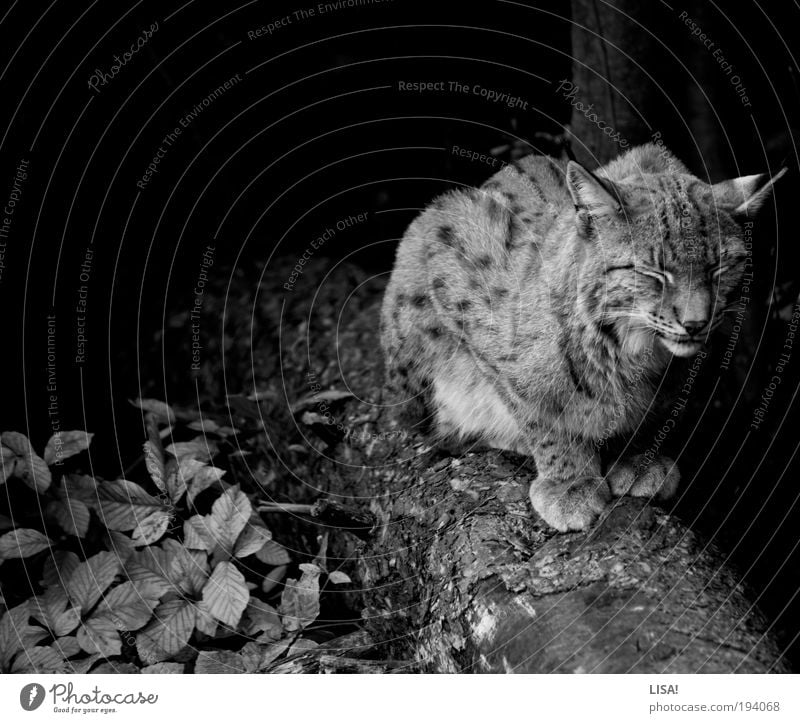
743, 196
589, 193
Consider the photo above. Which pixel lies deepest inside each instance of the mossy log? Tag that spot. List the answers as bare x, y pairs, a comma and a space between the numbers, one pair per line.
458, 573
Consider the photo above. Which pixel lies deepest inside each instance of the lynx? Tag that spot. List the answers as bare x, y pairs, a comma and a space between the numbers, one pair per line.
541, 310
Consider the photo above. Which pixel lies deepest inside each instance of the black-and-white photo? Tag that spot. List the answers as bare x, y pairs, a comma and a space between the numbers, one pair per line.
396, 337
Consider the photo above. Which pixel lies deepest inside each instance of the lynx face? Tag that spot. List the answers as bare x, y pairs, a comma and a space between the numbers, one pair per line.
664, 255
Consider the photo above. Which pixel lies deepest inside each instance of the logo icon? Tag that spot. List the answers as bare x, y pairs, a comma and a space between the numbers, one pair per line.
31, 696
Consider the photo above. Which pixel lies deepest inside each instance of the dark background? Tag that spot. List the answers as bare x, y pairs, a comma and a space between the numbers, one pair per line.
317, 131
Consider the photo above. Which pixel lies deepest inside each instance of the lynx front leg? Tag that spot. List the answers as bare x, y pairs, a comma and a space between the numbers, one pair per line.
639, 477
569, 491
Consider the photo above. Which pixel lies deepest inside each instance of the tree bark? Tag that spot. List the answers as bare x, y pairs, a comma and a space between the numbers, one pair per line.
459, 575
612, 61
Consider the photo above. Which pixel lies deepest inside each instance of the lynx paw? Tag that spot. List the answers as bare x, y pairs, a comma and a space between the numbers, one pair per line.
637, 477
570, 505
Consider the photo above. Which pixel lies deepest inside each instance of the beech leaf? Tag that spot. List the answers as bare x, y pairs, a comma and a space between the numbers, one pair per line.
120, 544
300, 599
230, 514
220, 662
161, 409
154, 462
197, 534
172, 626
91, 578
203, 479
81, 487
180, 476
59, 567
51, 610
47, 606
16, 633
252, 539
19, 460
190, 570
115, 667
67, 646
205, 620
271, 651
152, 569
66, 444
198, 448
72, 516
99, 635
22, 543
259, 617
330, 395
273, 554
207, 426
166, 668
273, 578
84, 664
151, 528
226, 594
127, 607
124, 504
145, 578
42, 659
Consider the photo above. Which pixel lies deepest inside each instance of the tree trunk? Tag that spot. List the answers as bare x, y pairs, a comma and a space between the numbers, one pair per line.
459, 574
612, 59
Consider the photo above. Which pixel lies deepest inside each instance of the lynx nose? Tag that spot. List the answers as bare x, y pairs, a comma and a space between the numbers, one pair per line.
694, 327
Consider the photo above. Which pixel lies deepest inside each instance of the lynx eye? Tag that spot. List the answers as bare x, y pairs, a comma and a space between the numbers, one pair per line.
663, 277
717, 271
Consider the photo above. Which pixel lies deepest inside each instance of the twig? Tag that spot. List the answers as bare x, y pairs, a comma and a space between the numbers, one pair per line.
331, 514
277, 507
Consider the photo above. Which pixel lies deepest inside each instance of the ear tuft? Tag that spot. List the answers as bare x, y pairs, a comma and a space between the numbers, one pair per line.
743, 196
648, 158
599, 197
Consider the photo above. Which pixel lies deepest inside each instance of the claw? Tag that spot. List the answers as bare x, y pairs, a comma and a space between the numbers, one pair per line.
573, 505
639, 477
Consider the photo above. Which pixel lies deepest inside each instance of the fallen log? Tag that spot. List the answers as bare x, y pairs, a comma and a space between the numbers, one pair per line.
459, 575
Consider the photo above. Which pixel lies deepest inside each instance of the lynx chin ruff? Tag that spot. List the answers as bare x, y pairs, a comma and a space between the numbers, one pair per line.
540, 312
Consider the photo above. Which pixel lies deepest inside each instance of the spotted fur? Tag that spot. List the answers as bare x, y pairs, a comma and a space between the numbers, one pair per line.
539, 312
